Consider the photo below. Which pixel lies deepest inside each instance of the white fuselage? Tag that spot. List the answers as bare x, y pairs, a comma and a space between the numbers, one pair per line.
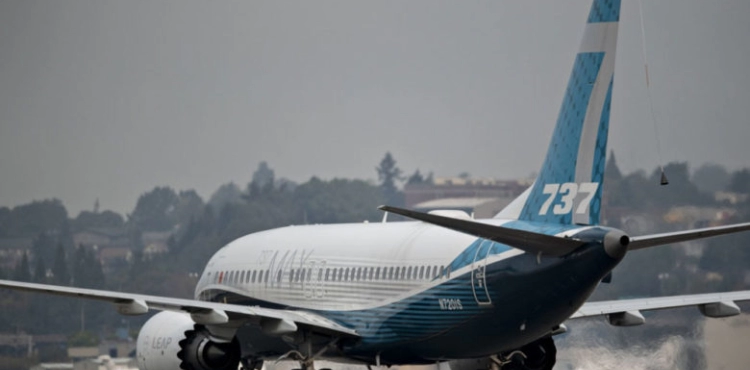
341, 267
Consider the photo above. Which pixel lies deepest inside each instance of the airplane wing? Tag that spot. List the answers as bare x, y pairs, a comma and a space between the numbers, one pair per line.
273, 321
626, 312
646, 241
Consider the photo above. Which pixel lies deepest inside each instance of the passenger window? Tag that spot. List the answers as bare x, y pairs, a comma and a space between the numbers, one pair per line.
377, 273
268, 273
390, 273
396, 274
278, 276
291, 275
421, 272
242, 278
408, 273
359, 273
372, 272
253, 279
320, 274
327, 274
346, 274
448, 272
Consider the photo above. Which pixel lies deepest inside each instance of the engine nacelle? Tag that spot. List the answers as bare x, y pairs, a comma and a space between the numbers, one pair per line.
171, 340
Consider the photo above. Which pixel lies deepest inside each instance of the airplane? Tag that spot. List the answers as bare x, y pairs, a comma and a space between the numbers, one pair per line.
488, 293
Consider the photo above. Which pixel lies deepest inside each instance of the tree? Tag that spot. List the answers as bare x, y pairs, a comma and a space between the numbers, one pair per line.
388, 174
189, 207
87, 270
43, 247
89, 220
612, 170
415, 179
263, 176
338, 200
5, 216
22, 272
36, 217
711, 178
740, 182
60, 272
40, 271
680, 191
226, 194
154, 209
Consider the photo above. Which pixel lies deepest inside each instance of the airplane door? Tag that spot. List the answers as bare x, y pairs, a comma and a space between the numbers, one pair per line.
314, 286
478, 276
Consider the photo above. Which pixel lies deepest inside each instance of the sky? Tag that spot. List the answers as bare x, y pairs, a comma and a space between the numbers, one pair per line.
108, 99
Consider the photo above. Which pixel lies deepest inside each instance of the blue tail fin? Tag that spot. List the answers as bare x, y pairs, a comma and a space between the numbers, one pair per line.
568, 189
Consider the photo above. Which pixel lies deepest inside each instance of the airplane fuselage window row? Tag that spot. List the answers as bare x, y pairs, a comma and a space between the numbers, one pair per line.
336, 274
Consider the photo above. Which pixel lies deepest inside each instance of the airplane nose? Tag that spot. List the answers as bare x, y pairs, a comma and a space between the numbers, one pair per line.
616, 244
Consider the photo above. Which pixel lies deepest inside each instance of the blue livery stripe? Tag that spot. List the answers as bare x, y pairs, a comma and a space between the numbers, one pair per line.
605, 11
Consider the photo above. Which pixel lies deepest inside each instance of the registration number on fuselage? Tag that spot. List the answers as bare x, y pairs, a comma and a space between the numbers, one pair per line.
450, 304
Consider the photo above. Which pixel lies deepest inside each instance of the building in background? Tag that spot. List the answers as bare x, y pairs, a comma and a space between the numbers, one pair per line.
482, 198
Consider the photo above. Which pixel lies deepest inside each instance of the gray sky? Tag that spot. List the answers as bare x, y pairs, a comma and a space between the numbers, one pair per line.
107, 99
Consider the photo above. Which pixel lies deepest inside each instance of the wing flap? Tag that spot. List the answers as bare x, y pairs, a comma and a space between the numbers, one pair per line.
200, 311
526, 241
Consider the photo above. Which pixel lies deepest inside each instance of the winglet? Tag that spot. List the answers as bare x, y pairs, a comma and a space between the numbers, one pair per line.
526, 241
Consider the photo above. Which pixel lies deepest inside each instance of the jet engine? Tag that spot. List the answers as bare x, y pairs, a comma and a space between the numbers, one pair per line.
171, 340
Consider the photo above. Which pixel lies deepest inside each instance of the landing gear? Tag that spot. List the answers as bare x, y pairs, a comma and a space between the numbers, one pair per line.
306, 361
538, 355
250, 363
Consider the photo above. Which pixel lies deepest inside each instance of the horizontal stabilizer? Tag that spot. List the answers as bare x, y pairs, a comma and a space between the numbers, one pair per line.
646, 241
526, 241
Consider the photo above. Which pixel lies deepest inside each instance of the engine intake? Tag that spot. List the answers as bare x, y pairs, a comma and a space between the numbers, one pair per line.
171, 340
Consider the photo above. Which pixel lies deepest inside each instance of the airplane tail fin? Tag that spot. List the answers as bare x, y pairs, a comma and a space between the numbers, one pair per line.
569, 186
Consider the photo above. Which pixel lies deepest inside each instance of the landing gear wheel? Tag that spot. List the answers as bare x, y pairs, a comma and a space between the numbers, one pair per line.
251, 364
537, 355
